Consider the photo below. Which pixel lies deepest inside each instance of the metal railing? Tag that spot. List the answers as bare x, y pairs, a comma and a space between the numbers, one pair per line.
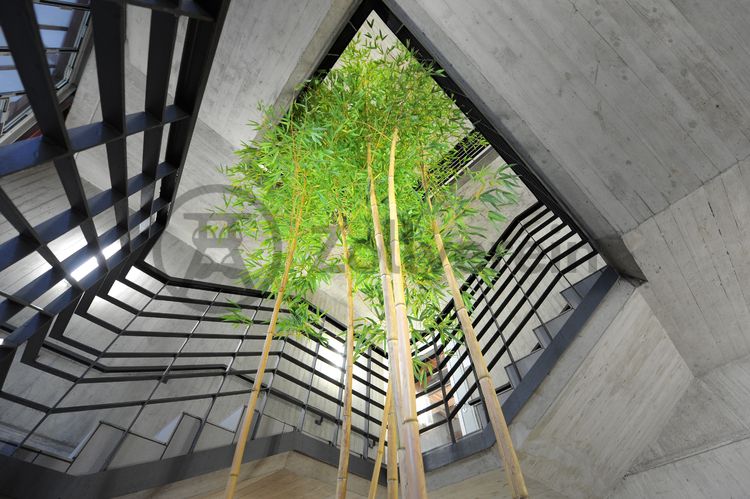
167, 352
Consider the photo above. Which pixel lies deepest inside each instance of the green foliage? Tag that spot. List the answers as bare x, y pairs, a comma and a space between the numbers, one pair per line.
311, 159
422, 370
302, 320
277, 180
236, 315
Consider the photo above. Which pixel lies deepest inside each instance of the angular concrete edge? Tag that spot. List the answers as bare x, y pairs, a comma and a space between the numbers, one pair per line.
608, 396
22, 479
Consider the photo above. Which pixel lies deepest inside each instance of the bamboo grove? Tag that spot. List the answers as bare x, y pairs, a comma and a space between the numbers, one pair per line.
366, 152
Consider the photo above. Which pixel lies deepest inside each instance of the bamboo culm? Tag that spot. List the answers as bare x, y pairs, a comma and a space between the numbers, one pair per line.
239, 450
346, 423
385, 281
413, 480
392, 470
381, 445
494, 409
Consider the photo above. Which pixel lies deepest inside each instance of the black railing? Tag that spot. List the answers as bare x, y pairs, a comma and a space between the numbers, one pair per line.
315, 386
28, 311
166, 347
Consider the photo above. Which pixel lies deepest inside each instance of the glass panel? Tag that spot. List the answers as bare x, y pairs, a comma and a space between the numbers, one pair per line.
10, 82
60, 28
18, 105
49, 15
58, 66
76, 2
53, 38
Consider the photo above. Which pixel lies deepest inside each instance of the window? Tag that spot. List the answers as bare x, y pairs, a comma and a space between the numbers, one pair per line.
62, 26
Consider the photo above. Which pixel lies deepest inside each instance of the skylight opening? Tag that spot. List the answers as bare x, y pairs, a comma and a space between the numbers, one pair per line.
62, 29
467, 148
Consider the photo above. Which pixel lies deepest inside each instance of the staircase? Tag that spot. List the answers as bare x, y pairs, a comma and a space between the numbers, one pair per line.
109, 446
199, 391
547, 332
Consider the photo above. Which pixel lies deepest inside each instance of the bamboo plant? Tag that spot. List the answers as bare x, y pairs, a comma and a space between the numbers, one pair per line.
492, 195
370, 138
442, 123
278, 172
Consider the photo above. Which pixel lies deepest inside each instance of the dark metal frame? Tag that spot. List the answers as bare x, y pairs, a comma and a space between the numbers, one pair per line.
536, 256
58, 145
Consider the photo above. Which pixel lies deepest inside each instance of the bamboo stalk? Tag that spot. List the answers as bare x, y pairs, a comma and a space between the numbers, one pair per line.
381, 445
513, 471
392, 470
385, 281
239, 449
414, 482
346, 423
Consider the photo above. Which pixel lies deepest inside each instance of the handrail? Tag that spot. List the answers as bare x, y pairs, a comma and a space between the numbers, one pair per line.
540, 254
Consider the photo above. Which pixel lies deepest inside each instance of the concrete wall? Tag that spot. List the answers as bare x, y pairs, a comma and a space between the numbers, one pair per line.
625, 108
696, 256
636, 113
614, 404
605, 401
241, 78
704, 448
720, 472
266, 49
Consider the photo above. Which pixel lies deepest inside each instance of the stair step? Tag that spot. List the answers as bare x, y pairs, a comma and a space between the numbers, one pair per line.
9, 434
183, 436
271, 426
523, 364
213, 436
547, 332
575, 293
52, 462
503, 395
25, 455
136, 449
97, 448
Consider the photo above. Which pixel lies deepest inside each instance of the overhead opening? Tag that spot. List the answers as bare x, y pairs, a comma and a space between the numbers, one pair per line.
63, 26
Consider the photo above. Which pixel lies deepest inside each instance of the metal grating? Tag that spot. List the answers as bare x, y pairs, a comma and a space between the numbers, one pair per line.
207, 361
79, 275
165, 354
